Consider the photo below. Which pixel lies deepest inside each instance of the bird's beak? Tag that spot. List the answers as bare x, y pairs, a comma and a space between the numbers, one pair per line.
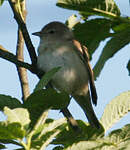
37, 34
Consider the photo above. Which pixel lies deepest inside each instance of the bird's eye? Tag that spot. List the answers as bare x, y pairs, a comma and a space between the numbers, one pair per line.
51, 31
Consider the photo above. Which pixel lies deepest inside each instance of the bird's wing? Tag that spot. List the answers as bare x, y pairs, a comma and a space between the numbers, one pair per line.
83, 53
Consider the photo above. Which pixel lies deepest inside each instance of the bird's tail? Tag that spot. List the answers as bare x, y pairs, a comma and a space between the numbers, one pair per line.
85, 103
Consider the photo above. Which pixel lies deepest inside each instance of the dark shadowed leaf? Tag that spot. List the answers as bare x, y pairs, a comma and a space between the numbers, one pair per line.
118, 41
46, 78
2, 146
9, 102
92, 32
87, 133
44, 99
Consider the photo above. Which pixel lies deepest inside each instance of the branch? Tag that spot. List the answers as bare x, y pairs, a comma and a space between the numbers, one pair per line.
22, 72
12, 58
20, 21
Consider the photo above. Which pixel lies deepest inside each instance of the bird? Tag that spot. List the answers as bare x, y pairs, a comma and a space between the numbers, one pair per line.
59, 48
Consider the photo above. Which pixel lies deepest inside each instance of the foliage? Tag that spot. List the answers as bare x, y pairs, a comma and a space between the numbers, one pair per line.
24, 126
100, 20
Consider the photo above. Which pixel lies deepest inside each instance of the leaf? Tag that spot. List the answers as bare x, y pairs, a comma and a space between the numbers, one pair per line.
115, 110
8, 141
84, 145
19, 115
87, 133
44, 99
115, 44
128, 67
9, 102
89, 7
116, 140
1, 2
119, 139
2, 146
72, 21
47, 132
46, 78
58, 148
92, 32
11, 131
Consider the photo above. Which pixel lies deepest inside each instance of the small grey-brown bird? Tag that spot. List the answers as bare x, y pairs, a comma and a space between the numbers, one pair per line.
59, 48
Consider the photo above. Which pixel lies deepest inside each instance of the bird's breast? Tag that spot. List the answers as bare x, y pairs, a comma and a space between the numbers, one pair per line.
72, 73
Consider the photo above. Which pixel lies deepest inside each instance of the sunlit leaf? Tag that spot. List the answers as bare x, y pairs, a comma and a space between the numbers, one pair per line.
19, 115
89, 7
115, 110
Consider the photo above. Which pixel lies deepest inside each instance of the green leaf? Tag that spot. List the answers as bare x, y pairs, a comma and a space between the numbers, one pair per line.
115, 44
44, 99
115, 110
58, 148
89, 7
1, 2
128, 67
2, 146
9, 102
11, 131
92, 32
87, 133
47, 132
46, 78
119, 139
8, 141
19, 115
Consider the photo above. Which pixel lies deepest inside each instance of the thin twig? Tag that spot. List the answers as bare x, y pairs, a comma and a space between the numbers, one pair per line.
18, 17
5, 54
22, 72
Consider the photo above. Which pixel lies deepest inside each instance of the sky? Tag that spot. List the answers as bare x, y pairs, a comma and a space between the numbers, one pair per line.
112, 81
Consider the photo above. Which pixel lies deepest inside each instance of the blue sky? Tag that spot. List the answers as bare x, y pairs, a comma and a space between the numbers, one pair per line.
112, 81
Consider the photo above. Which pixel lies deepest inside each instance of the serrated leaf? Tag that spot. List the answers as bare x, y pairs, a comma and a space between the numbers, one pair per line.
44, 99
119, 139
128, 67
9, 102
115, 110
11, 131
19, 115
92, 32
46, 78
87, 133
47, 133
89, 7
115, 44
